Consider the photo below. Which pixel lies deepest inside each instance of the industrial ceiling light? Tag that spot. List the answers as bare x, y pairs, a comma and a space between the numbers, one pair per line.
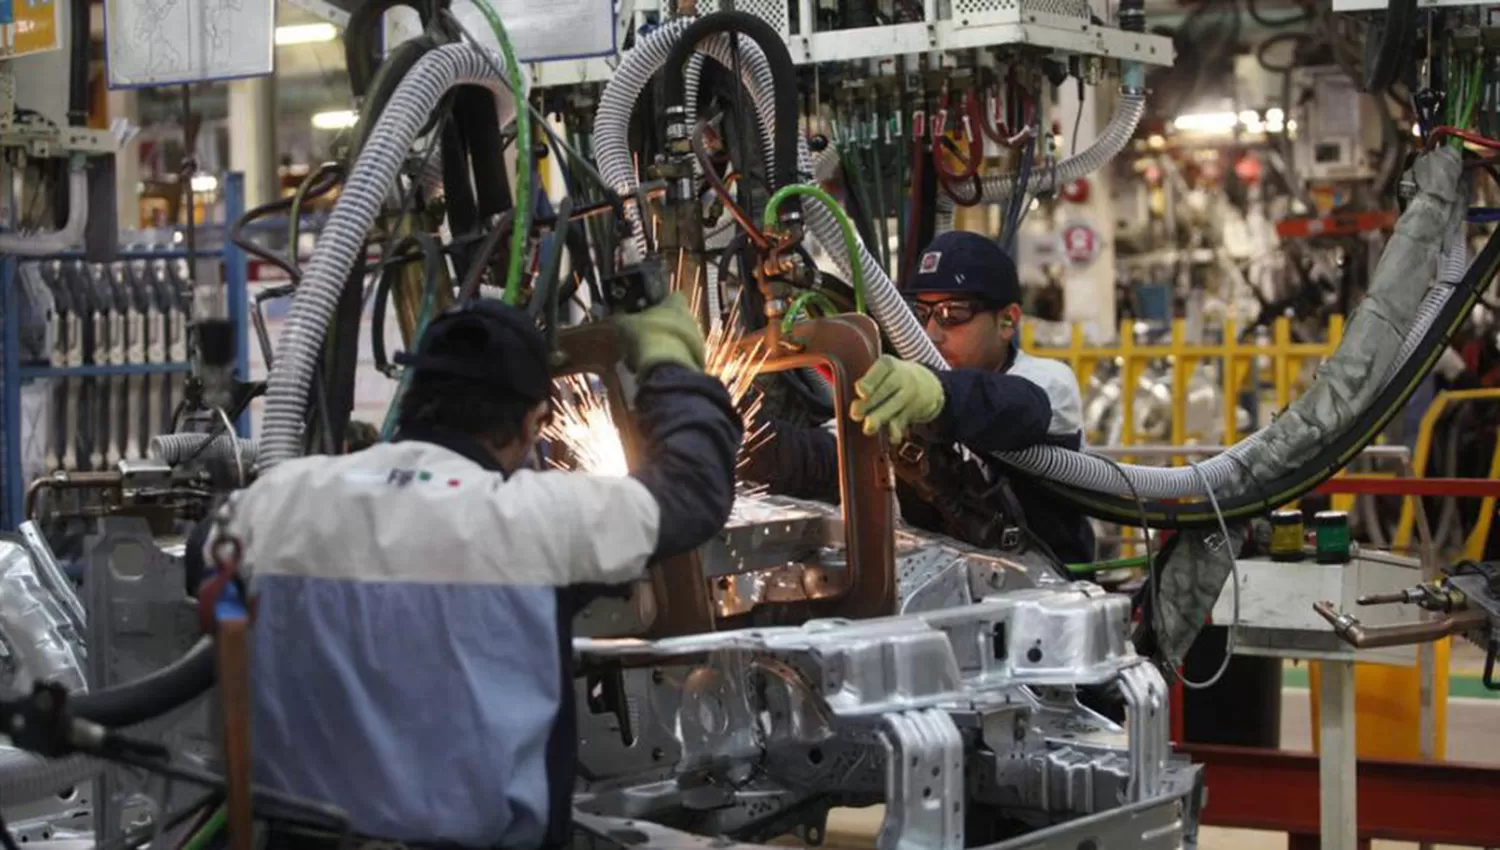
338, 119
1206, 122
305, 34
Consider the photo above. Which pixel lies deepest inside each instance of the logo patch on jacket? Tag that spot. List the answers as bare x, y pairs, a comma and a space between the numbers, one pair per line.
929, 262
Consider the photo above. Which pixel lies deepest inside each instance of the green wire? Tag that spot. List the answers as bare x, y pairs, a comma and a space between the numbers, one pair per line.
799, 306
208, 831
523, 156
850, 242
1105, 566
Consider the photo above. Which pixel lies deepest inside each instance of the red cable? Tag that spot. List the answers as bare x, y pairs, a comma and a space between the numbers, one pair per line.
970, 166
1440, 133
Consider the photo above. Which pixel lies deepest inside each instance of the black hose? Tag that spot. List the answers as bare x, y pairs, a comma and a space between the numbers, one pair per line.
1337, 452
1386, 56
432, 270
321, 187
150, 696
547, 288
364, 36
783, 75
78, 64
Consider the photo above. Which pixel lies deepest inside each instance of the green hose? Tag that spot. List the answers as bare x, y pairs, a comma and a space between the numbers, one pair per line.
1137, 562
208, 831
850, 242
523, 156
799, 306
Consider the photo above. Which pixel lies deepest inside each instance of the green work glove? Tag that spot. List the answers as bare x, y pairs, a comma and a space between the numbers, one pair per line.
895, 395
666, 333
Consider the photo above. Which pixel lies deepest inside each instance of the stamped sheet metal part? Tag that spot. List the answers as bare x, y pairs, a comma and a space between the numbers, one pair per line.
751, 733
37, 637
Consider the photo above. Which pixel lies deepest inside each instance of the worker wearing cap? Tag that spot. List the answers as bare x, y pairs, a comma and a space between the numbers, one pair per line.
996, 398
412, 643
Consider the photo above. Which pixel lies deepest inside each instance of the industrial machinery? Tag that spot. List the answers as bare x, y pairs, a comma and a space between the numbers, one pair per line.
813, 655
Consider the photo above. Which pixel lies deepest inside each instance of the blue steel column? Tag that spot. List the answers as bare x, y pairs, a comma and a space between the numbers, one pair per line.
237, 286
11, 407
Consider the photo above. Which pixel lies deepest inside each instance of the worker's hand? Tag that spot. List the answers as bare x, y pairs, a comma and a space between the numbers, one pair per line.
666, 333
895, 395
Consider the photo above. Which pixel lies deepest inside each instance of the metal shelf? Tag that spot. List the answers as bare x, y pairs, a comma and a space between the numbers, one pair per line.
12, 373
102, 371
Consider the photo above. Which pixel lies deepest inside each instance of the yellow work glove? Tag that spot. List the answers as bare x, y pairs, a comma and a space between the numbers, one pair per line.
665, 333
895, 395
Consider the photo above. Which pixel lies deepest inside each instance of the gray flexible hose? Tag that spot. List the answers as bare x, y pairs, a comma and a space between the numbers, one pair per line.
176, 448
342, 241
1115, 136
637, 67
45, 243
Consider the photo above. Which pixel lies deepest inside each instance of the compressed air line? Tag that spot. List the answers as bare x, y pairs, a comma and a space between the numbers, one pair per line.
45, 243
342, 241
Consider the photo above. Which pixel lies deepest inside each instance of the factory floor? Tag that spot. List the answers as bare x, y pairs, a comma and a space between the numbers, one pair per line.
1473, 729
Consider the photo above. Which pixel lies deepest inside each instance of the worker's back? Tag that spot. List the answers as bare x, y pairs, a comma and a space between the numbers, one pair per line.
408, 663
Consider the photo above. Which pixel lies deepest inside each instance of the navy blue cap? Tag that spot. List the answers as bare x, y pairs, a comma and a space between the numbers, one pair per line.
489, 342
963, 263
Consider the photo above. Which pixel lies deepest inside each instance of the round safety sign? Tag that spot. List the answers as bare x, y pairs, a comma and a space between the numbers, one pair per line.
1081, 244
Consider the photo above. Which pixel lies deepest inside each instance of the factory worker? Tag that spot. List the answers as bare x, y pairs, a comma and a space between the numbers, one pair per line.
412, 641
967, 293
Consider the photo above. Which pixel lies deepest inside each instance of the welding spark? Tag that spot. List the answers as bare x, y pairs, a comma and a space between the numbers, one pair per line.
582, 426
584, 429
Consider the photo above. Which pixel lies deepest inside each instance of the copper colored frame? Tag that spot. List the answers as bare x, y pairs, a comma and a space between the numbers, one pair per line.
848, 345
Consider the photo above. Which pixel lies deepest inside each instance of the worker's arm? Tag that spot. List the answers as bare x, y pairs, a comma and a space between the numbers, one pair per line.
692, 435
594, 529
991, 411
797, 461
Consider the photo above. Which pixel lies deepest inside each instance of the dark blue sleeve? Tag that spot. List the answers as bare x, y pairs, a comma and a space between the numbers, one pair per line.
692, 439
797, 461
992, 411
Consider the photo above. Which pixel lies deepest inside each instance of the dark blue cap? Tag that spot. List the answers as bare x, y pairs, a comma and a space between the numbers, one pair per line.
963, 263
491, 343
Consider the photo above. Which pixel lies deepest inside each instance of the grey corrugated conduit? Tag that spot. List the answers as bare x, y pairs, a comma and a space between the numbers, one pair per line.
342, 240
175, 448
1116, 135
612, 124
1376, 334
1387, 323
637, 67
43, 243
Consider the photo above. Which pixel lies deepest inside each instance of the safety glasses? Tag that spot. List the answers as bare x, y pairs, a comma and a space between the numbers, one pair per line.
949, 313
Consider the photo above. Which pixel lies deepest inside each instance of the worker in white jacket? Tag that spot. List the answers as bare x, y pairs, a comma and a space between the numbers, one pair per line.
412, 644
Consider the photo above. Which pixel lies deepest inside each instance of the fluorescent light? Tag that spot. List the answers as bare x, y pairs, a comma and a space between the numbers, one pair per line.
338, 119
1416, 130
1206, 122
1156, 142
306, 34
1275, 115
205, 183
1249, 117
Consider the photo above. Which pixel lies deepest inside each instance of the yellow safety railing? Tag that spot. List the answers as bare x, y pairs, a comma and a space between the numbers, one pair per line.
1287, 358
1474, 546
